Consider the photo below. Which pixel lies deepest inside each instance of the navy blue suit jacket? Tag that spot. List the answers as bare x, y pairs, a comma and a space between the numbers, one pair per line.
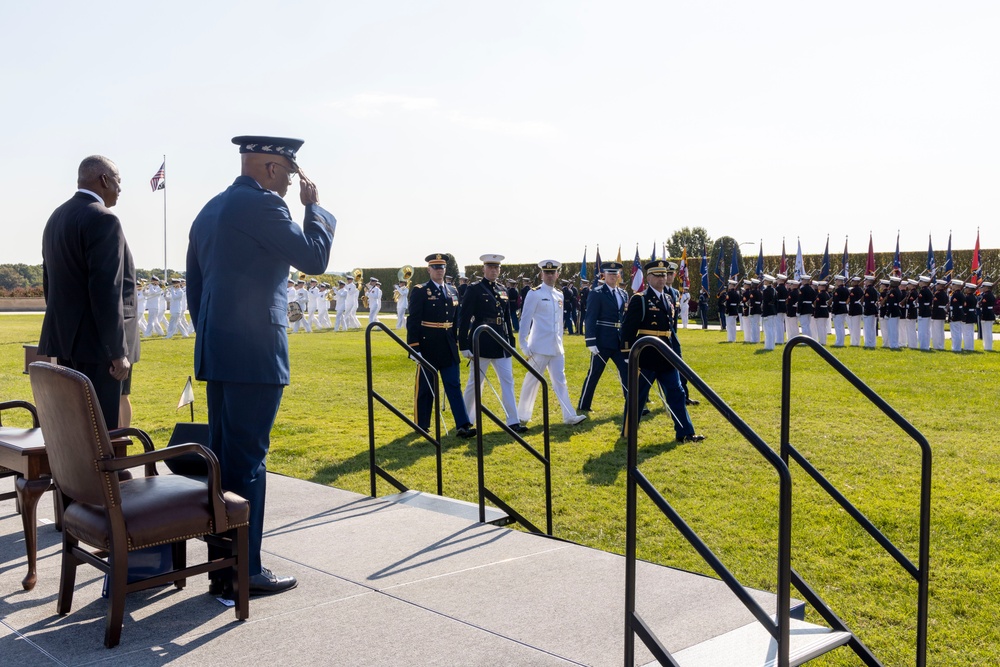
240, 250
603, 314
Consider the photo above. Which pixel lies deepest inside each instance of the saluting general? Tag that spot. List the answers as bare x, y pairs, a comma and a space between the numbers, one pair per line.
240, 250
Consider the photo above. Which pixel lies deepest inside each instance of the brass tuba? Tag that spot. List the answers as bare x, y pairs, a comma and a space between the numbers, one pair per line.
405, 273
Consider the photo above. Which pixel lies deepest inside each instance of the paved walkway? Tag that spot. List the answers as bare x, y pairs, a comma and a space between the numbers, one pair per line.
381, 583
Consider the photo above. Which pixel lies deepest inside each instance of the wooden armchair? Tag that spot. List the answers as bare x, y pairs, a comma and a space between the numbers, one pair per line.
114, 516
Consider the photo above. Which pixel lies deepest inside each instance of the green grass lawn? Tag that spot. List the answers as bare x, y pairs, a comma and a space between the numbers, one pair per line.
722, 487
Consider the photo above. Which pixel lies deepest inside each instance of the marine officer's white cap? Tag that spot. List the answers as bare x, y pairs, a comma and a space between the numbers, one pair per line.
491, 259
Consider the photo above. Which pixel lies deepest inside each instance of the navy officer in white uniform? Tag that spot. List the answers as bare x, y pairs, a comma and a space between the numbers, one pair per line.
240, 249
541, 340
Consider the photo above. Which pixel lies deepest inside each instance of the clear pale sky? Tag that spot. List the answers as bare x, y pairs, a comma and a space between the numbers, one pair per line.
525, 128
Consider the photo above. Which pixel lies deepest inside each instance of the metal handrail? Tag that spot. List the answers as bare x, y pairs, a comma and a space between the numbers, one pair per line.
373, 468
920, 572
545, 459
634, 624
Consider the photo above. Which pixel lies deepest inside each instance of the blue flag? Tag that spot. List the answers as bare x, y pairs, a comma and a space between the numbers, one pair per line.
597, 264
931, 262
734, 265
948, 265
652, 257
760, 261
897, 268
583, 265
704, 273
844, 271
824, 272
718, 270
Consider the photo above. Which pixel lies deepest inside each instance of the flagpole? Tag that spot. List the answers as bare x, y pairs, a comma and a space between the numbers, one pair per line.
191, 405
166, 276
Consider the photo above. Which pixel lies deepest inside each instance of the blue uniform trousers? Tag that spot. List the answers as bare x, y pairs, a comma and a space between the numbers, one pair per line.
452, 389
240, 417
670, 382
597, 364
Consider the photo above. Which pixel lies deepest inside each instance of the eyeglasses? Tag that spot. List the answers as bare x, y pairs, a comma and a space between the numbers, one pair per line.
292, 173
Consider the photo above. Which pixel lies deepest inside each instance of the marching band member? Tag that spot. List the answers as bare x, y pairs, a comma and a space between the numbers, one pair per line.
374, 299
402, 297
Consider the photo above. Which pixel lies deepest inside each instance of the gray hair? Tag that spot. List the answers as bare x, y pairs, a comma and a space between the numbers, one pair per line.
93, 167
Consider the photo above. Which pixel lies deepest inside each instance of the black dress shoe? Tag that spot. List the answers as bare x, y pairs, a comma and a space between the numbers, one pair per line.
645, 411
692, 401
468, 431
518, 428
220, 588
267, 583
691, 438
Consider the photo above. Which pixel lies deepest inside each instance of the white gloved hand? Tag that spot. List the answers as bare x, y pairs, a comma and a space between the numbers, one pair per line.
593, 350
467, 354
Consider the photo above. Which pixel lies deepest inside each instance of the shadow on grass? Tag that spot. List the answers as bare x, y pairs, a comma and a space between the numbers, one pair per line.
605, 469
397, 454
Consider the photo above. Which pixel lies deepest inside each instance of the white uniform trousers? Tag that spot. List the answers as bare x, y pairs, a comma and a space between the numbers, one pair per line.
753, 328
684, 316
854, 322
969, 336
302, 324
806, 324
400, 314
730, 328
175, 325
352, 316
911, 334
340, 321
373, 309
838, 329
871, 330
820, 325
937, 334
556, 365
987, 335
324, 315
956, 336
505, 373
769, 333
791, 327
891, 337
924, 333
779, 329
153, 323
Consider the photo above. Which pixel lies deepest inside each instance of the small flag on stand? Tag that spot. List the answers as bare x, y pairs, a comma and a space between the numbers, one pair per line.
187, 397
158, 181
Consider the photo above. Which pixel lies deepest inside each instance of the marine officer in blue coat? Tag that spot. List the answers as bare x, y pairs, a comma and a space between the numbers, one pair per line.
240, 249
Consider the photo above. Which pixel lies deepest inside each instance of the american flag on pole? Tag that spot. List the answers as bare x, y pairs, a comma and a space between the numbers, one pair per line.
158, 181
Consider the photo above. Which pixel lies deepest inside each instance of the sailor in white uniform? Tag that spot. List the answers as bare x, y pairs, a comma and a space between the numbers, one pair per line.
402, 297
540, 338
153, 305
175, 303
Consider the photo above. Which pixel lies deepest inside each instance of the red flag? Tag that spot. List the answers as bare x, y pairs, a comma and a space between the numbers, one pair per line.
977, 269
870, 265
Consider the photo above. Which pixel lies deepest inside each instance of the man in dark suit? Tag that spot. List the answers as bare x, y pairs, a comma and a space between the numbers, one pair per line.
240, 250
652, 313
605, 309
84, 262
430, 330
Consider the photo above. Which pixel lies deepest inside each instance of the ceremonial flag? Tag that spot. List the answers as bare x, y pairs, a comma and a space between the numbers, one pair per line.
684, 268
825, 269
800, 267
843, 262
718, 270
597, 265
783, 263
870, 264
760, 260
931, 263
734, 265
977, 269
948, 265
704, 272
619, 259
638, 284
897, 268
583, 265
652, 257
159, 182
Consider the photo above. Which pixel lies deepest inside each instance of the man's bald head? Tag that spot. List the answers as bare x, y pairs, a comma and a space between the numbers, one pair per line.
271, 171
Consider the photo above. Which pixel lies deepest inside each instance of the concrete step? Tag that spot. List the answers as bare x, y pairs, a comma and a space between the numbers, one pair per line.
450, 506
752, 646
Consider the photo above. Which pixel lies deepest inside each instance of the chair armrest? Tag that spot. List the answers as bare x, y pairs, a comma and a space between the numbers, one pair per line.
147, 443
147, 458
7, 405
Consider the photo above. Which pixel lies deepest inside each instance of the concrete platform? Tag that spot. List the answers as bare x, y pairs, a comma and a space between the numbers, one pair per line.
381, 583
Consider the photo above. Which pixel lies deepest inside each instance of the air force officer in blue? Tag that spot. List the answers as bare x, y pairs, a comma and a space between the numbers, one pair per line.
240, 250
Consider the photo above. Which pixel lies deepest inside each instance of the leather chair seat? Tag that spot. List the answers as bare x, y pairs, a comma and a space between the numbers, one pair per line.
157, 510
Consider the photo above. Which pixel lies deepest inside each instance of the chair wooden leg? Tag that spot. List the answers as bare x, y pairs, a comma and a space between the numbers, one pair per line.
179, 553
116, 594
241, 582
67, 579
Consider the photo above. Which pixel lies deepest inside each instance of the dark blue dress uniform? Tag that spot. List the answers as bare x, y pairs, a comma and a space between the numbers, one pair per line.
240, 249
649, 314
603, 331
486, 303
430, 330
